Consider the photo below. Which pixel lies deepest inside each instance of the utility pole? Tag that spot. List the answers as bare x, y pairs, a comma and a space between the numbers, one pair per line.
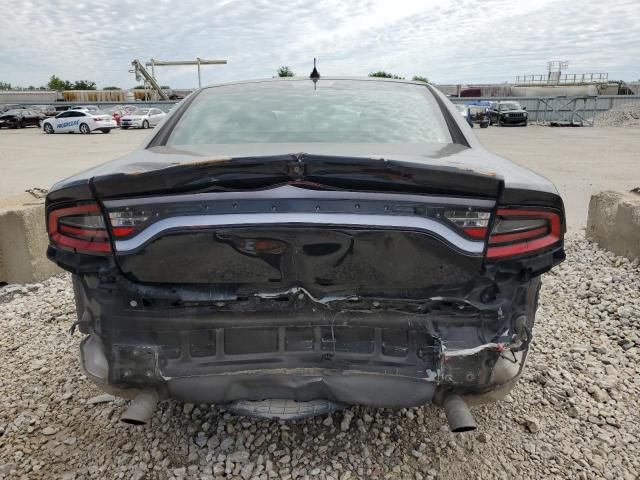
199, 78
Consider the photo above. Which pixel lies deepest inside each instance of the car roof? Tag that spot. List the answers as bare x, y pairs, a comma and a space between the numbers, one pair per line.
307, 79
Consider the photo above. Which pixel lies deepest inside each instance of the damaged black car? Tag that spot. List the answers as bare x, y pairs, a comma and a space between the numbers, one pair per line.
290, 246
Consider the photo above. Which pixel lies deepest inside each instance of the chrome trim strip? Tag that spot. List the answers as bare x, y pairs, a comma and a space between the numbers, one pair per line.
292, 192
284, 219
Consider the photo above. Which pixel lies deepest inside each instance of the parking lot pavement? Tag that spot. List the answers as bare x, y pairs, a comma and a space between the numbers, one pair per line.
580, 161
29, 158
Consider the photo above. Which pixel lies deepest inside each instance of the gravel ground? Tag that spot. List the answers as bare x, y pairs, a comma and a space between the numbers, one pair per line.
574, 414
625, 115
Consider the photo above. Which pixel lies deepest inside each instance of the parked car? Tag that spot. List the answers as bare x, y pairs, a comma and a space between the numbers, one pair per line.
6, 107
20, 118
86, 108
507, 113
142, 118
79, 121
289, 246
46, 110
120, 111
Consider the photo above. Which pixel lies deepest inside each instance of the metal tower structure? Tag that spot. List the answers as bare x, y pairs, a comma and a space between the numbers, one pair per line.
142, 74
555, 68
176, 63
149, 78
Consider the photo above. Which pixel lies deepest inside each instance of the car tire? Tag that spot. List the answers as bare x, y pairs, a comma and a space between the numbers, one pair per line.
145, 124
48, 128
84, 129
124, 128
484, 125
106, 130
501, 123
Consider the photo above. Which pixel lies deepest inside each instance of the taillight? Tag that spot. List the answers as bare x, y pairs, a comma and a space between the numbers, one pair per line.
473, 223
125, 222
523, 231
80, 228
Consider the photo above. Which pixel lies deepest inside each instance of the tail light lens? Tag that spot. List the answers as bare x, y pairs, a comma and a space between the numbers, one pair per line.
519, 232
473, 223
80, 228
125, 222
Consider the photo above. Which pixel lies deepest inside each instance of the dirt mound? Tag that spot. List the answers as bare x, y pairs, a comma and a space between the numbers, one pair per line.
627, 114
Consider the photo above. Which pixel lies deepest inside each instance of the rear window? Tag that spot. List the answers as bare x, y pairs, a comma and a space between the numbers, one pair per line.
333, 111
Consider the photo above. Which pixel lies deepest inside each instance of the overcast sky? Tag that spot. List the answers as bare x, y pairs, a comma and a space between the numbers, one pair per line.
448, 41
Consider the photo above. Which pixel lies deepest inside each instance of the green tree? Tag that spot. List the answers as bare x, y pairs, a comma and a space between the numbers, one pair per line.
165, 87
84, 85
5, 86
285, 71
139, 87
383, 74
111, 88
56, 83
418, 78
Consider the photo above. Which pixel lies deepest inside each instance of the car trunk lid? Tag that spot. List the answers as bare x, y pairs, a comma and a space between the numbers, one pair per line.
331, 225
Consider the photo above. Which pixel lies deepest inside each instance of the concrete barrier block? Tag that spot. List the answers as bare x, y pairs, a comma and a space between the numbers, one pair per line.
614, 222
23, 241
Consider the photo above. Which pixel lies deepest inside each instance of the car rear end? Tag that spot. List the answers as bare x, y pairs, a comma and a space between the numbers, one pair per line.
102, 121
305, 277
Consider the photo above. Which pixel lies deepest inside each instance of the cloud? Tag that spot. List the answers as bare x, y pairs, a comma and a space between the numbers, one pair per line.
453, 41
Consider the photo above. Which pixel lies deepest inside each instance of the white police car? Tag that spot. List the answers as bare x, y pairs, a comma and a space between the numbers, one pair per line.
78, 121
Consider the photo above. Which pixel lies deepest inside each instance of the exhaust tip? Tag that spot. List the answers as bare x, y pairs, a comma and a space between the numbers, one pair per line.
141, 408
132, 421
467, 428
458, 414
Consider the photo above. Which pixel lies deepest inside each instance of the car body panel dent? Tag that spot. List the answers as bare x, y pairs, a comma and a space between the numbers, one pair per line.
168, 163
